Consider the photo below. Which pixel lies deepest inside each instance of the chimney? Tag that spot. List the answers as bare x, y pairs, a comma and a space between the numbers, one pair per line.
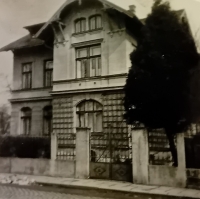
132, 8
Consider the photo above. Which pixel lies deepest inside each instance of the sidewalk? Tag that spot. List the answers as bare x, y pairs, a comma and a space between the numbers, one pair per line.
114, 186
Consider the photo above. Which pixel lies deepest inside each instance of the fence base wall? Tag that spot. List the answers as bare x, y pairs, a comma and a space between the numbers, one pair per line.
193, 178
43, 167
164, 176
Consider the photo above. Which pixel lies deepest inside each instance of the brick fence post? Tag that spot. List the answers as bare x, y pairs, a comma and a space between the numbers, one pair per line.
140, 156
82, 153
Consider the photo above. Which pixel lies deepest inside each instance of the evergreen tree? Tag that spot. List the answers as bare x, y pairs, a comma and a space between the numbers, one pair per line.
158, 87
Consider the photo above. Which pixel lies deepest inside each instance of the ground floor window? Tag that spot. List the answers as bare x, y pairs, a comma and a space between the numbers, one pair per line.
47, 112
89, 114
26, 120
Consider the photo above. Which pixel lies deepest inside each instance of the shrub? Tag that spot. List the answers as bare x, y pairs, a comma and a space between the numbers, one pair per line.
25, 147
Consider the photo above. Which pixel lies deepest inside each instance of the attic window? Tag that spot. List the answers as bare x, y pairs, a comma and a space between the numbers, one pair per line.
95, 22
80, 25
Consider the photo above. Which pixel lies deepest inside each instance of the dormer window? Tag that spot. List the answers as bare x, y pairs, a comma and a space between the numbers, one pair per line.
95, 22
80, 25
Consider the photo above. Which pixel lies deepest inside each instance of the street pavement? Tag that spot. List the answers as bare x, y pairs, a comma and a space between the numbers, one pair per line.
17, 192
57, 187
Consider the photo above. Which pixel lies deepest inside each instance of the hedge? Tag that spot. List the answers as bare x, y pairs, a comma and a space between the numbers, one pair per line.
25, 147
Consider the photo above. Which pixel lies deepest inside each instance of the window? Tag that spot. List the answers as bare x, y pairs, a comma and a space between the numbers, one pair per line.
80, 25
95, 22
48, 73
27, 76
89, 114
26, 121
47, 112
88, 61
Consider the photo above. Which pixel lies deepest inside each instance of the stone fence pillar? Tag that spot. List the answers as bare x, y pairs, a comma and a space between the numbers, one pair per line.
54, 146
181, 170
140, 156
82, 153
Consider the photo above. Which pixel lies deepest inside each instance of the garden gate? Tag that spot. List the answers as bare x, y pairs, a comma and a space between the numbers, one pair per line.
110, 156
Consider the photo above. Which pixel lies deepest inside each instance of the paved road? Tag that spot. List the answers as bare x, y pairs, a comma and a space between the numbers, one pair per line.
15, 192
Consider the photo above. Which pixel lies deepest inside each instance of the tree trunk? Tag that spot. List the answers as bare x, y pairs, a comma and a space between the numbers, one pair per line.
172, 146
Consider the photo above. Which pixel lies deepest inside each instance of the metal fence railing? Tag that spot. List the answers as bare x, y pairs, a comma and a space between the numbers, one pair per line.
192, 146
159, 150
66, 147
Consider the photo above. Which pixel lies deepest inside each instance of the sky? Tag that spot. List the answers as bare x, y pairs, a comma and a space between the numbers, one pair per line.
15, 14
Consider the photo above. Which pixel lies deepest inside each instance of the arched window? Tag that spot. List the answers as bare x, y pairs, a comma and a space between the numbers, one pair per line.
47, 113
89, 114
26, 120
80, 25
95, 22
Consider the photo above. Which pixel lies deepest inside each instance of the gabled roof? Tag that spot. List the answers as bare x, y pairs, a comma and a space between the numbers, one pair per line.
24, 42
68, 2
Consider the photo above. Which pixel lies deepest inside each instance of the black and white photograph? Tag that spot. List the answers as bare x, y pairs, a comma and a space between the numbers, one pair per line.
99, 99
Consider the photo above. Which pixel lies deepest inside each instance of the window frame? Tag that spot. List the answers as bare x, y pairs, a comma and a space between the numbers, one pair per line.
89, 59
25, 73
48, 119
95, 16
81, 28
85, 114
45, 71
25, 118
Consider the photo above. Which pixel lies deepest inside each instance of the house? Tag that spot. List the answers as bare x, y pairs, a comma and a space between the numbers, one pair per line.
69, 75
32, 73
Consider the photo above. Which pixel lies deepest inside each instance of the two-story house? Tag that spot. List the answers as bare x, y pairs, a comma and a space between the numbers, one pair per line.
77, 61
91, 61
69, 73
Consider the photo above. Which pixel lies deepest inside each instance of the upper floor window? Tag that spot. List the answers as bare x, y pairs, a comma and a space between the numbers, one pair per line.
95, 22
47, 112
80, 25
48, 73
26, 120
88, 61
27, 76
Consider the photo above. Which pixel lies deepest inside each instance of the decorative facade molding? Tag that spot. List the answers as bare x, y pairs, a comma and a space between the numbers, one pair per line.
91, 78
87, 43
30, 99
87, 90
33, 89
119, 31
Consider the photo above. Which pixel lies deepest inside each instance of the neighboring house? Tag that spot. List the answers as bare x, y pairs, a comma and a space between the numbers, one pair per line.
32, 82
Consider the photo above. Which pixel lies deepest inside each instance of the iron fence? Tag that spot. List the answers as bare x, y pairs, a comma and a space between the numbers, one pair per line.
111, 147
192, 146
66, 147
159, 150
